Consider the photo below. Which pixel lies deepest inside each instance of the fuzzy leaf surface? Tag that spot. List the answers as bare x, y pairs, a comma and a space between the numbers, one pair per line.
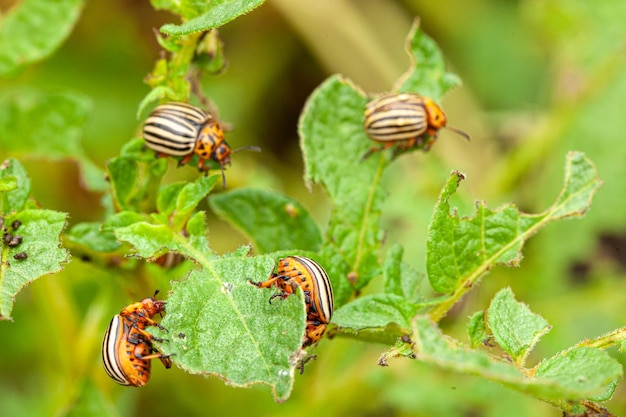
219, 324
40, 231
273, 221
376, 310
558, 378
515, 328
427, 75
461, 249
332, 142
213, 15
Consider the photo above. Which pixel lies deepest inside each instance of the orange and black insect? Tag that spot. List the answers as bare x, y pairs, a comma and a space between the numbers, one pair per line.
180, 129
127, 348
408, 120
298, 271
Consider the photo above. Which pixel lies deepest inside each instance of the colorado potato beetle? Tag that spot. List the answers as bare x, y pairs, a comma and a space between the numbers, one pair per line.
298, 271
408, 120
180, 129
127, 348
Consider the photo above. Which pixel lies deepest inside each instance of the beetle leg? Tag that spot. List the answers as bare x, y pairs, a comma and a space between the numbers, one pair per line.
166, 361
148, 321
314, 332
278, 295
185, 159
203, 166
305, 361
265, 284
148, 336
371, 150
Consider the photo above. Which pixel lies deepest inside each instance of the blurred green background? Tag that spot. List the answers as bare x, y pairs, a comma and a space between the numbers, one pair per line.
540, 78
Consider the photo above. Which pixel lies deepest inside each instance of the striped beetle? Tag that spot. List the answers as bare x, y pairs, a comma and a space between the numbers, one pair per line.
127, 348
180, 129
407, 119
318, 293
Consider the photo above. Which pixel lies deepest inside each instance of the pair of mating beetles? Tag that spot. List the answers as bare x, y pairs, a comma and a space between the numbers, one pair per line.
127, 349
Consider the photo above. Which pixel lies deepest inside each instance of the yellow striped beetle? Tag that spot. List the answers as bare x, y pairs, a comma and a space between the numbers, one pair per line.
127, 348
298, 271
180, 129
406, 119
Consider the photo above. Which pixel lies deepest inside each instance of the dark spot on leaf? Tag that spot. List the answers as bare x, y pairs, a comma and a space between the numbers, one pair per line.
20, 256
15, 241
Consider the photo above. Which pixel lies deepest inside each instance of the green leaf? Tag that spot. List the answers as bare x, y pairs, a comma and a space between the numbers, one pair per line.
34, 29
91, 236
461, 249
476, 329
583, 369
392, 274
273, 221
40, 230
123, 219
13, 173
332, 142
555, 383
219, 13
8, 183
377, 310
135, 186
137, 150
427, 75
171, 5
149, 240
219, 324
196, 227
515, 328
122, 173
49, 126
400, 278
190, 195
210, 53
166, 200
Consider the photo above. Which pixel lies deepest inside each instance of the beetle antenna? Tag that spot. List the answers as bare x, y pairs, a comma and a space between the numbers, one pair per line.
247, 148
155, 293
459, 132
243, 148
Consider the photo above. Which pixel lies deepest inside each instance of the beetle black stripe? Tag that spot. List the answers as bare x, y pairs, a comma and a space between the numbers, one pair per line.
396, 125
396, 117
322, 286
173, 128
110, 350
185, 111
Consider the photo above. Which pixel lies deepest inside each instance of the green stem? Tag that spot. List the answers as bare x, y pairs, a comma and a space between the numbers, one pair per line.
605, 341
367, 212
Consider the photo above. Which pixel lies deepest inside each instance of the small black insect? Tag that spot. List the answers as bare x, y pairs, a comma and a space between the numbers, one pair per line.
20, 256
16, 224
7, 238
15, 241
